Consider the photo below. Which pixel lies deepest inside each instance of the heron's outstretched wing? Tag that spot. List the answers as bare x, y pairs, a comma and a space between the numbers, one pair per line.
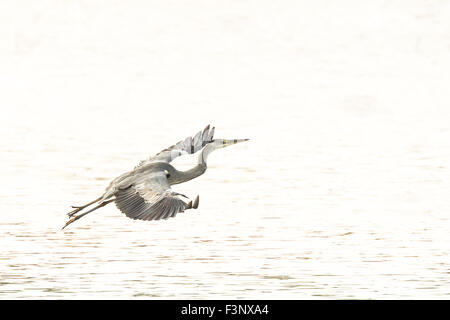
189, 145
149, 199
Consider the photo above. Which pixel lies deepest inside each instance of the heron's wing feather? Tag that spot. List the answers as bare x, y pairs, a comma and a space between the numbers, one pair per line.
149, 199
189, 145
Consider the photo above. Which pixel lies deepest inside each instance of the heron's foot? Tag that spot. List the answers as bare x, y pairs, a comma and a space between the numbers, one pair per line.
70, 221
73, 212
79, 208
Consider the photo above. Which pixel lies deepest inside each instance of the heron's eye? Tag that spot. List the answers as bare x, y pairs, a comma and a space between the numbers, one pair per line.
167, 173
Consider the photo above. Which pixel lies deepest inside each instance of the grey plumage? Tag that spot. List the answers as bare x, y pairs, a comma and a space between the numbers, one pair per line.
130, 202
189, 145
145, 193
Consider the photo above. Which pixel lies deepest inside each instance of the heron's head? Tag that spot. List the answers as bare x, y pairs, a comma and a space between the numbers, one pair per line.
217, 144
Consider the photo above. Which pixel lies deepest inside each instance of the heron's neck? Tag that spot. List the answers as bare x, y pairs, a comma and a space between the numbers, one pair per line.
203, 156
183, 176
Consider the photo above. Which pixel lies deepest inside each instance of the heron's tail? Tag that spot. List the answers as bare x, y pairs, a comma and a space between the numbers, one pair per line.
76, 217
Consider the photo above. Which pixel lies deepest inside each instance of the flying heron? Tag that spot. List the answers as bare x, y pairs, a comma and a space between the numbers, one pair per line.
144, 193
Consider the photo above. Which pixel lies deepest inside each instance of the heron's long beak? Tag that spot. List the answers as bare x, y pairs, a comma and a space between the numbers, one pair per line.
230, 142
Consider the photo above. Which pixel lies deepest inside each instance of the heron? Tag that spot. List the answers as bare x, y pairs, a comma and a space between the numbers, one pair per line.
145, 193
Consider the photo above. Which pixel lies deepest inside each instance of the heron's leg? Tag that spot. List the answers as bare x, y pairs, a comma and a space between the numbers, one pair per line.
75, 218
79, 208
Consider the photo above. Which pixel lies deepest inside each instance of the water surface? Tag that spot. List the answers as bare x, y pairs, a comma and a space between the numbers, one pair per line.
341, 193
